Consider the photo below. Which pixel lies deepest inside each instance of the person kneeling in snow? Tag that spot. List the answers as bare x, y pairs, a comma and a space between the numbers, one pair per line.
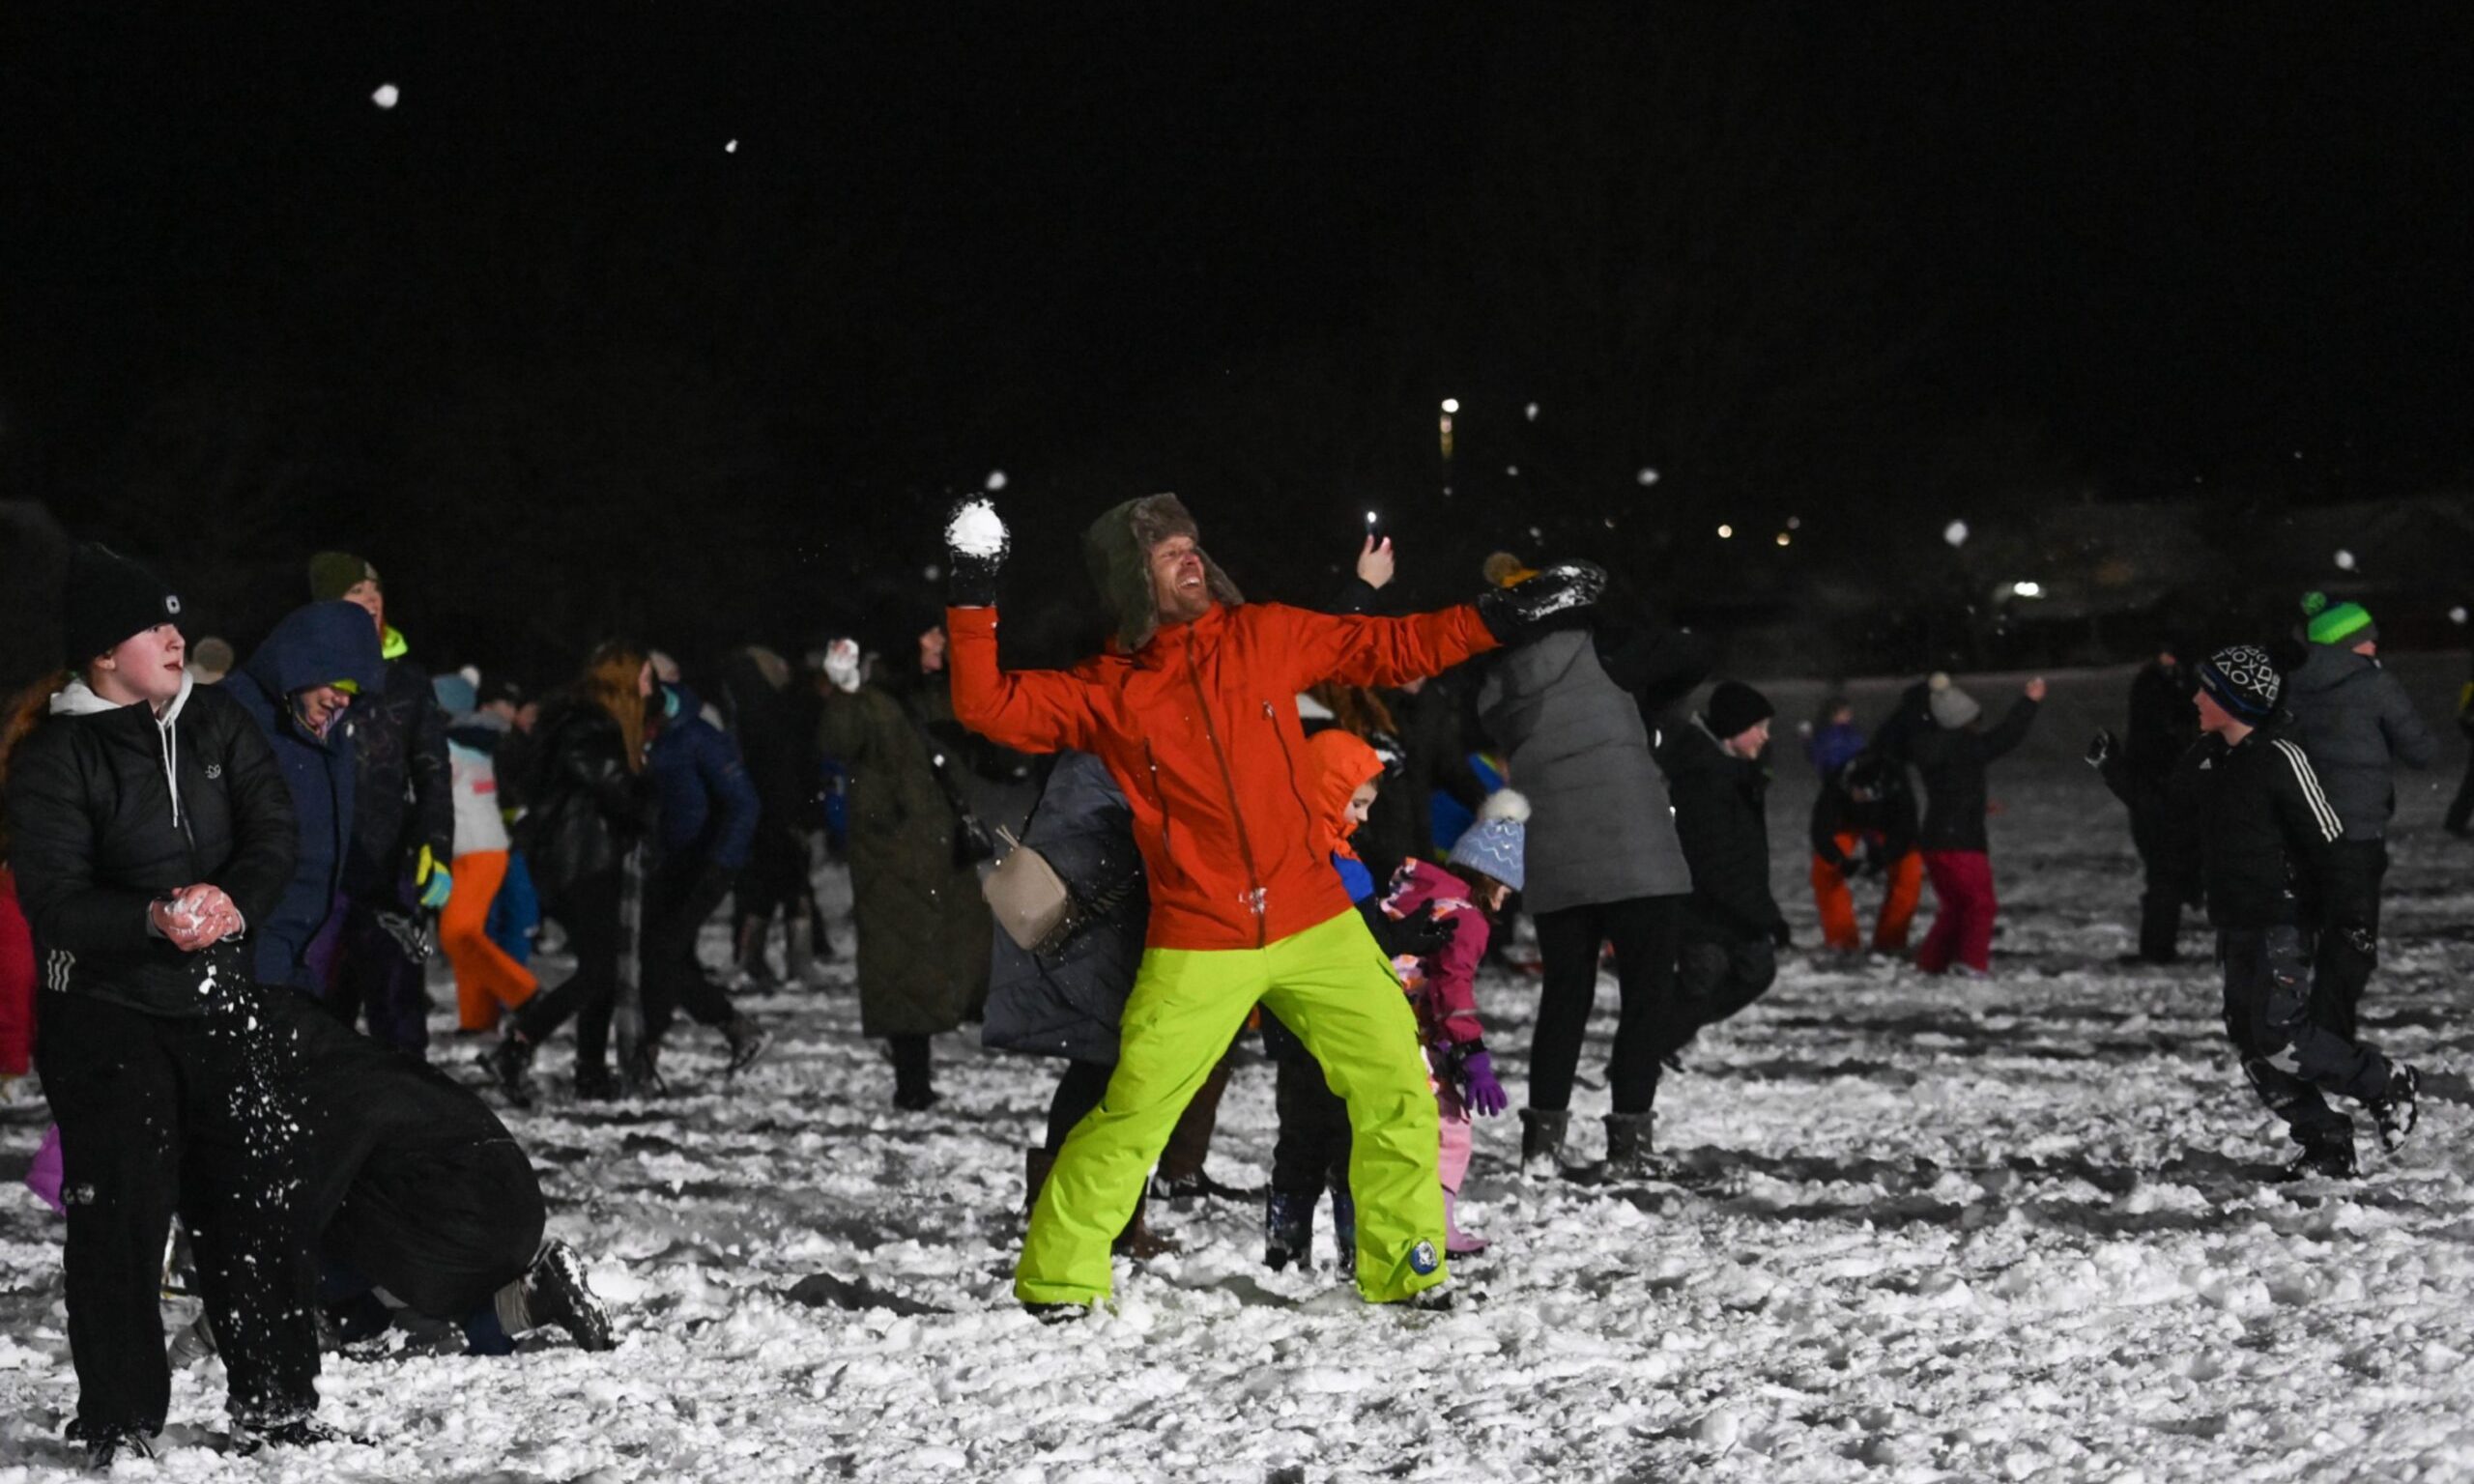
2265, 828
1194, 710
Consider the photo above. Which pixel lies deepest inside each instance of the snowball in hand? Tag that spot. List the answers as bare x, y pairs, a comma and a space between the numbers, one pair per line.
976, 530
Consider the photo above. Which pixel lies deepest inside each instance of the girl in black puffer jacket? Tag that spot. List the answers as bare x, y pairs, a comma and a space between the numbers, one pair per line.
591, 807
149, 827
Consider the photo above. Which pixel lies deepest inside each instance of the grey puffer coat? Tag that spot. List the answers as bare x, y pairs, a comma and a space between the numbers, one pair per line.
2356, 722
1600, 829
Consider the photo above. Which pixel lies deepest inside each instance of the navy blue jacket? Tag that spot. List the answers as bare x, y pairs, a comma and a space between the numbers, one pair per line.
708, 805
320, 644
1070, 1004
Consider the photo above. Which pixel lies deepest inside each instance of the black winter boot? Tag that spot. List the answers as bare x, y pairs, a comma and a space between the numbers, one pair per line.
557, 1293
510, 1065
1628, 1146
747, 1042
1288, 1230
2326, 1154
2396, 1111
1542, 1141
1037, 1161
1139, 1241
1345, 1230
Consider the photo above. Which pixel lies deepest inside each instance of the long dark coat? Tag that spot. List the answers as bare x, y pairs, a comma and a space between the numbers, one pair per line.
923, 926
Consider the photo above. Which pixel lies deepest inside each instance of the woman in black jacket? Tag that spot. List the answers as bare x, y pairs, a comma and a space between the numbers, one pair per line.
592, 808
149, 827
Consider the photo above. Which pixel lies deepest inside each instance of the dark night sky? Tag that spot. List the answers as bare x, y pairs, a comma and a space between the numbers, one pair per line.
1112, 248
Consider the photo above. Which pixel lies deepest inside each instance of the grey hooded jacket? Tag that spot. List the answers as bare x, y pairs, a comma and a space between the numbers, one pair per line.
2356, 722
1600, 829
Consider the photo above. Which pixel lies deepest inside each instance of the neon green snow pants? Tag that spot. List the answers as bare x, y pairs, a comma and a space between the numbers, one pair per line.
1334, 988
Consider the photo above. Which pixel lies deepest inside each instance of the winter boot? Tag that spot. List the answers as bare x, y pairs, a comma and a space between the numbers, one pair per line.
802, 962
640, 1073
509, 1064
1628, 1146
595, 1084
103, 1444
1345, 1230
1542, 1141
249, 1437
1288, 1229
1198, 1186
747, 1042
1455, 1242
2326, 1154
2395, 1110
753, 972
1139, 1241
556, 1293
1037, 1161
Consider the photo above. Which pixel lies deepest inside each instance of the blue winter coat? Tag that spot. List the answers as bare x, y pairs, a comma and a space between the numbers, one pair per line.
320, 644
1070, 1004
708, 803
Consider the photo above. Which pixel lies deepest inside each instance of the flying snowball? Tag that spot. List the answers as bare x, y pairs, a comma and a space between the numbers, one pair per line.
386, 96
1647, 478
1530, 412
1956, 533
2457, 614
731, 147
995, 479
1512, 470
2344, 561
976, 530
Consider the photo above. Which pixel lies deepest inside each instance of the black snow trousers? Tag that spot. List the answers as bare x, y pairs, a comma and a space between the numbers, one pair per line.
1311, 1152
677, 901
1716, 975
2170, 876
1646, 933
161, 1116
2292, 1056
441, 1228
590, 912
2340, 972
1078, 1091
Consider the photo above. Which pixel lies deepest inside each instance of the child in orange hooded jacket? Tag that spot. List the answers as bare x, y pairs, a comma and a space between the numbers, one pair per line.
1440, 976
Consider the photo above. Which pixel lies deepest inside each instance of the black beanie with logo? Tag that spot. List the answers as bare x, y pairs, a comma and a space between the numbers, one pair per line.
106, 599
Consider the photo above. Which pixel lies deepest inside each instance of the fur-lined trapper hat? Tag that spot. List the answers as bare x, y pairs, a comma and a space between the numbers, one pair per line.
1118, 550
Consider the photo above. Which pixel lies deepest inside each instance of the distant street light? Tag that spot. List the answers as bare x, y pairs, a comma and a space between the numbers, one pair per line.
1726, 532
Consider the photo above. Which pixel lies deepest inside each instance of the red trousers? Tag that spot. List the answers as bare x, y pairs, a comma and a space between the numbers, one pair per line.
1838, 904
1962, 928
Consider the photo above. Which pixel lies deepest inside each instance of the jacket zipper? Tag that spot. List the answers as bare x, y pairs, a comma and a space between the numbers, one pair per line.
1294, 792
1255, 897
1151, 761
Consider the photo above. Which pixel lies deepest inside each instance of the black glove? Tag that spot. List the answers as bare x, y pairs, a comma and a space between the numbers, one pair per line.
1413, 936
1854, 866
1779, 935
976, 542
1509, 613
2362, 940
2101, 748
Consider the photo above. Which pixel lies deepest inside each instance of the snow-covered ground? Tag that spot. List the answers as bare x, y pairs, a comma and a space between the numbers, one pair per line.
1926, 1230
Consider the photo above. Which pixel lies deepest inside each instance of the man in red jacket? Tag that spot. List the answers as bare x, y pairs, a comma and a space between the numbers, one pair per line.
1194, 711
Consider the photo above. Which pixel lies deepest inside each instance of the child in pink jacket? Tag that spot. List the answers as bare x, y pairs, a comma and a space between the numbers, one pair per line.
1485, 869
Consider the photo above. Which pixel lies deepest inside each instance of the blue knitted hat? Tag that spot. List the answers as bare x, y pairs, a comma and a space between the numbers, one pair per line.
1497, 843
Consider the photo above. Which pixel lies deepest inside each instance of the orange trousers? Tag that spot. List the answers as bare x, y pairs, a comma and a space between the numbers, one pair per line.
1838, 904
487, 982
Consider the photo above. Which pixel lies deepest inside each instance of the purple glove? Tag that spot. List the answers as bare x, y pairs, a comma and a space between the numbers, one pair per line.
1479, 1088
43, 1178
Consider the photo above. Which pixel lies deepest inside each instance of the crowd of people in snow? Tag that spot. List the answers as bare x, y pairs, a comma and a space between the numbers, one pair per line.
220, 885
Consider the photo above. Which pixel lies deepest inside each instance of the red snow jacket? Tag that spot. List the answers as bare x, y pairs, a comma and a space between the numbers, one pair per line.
17, 983
1199, 727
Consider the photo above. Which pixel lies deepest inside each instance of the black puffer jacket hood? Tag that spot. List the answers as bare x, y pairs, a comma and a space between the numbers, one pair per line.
1117, 547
